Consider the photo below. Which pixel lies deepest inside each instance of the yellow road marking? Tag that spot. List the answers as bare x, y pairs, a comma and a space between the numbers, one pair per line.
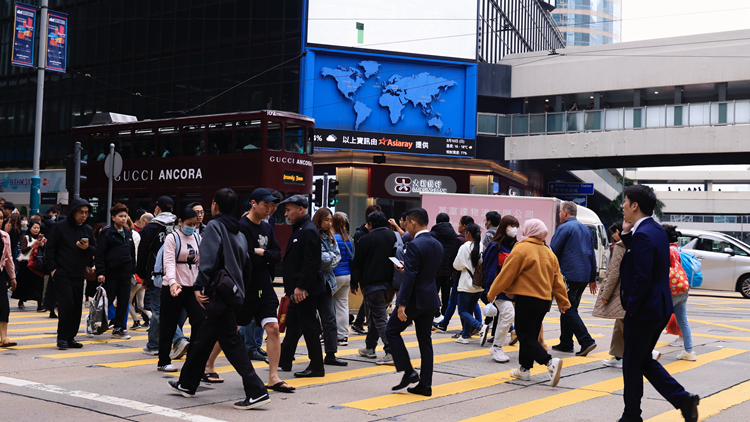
719, 325
540, 406
43, 321
457, 387
712, 405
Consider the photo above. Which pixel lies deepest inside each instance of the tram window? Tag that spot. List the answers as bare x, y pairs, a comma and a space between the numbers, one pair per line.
193, 140
273, 138
98, 151
247, 137
219, 138
123, 144
294, 138
310, 141
144, 143
168, 141
142, 201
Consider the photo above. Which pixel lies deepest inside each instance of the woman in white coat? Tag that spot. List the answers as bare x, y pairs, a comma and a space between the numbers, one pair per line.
467, 261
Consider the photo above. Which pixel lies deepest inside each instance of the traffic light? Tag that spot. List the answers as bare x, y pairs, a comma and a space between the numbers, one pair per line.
332, 192
73, 177
318, 193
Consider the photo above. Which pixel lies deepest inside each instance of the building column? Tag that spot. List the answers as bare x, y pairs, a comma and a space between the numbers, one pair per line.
678, 94
637, 98
597, 101
558, 103
722, 88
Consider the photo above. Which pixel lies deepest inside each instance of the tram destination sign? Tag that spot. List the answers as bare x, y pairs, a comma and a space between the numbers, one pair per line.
404, 144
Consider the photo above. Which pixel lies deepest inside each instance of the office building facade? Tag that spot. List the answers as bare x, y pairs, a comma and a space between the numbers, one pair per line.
589, 22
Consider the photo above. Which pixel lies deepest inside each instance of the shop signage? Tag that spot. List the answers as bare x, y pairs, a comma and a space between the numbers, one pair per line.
294, 178
23, 36
564, 188
405, 144
57, 32
402, 184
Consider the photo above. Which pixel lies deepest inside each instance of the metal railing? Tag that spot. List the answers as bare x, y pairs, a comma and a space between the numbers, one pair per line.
613, 119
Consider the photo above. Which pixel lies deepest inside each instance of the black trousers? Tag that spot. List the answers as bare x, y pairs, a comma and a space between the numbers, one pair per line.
640, 338
171, 314
301, 320
444, 284
377, 303
118, 287
69, 295
423, 324
361, 314
570, 321
530, 312
223, 329
4, 304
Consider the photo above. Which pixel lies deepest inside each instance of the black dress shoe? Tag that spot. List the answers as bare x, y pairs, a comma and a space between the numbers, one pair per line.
421, 390
558, 348
689, 408
408, 378
310, 373
262, 352
285, 367
334, 361
62, 344
73, 344
255, 355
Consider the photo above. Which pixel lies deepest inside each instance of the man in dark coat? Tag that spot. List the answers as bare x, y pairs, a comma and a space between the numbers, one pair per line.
443, 232
70, 246
303, 284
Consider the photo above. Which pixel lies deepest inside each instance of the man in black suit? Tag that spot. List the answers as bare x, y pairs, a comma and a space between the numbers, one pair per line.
646, 299
417, 301
303, 284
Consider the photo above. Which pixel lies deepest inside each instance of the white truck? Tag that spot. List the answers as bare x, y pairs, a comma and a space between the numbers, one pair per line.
521, 207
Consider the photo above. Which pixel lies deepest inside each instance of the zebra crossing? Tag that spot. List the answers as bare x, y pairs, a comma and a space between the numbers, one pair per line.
468, 385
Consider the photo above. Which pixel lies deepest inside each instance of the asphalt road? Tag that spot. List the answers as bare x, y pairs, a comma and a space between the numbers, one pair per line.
111, 380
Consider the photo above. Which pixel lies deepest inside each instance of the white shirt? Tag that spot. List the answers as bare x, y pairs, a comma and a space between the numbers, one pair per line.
463, 263
420, 232
635, 226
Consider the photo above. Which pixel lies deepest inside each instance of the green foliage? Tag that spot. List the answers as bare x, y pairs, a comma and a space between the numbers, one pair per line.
609, 213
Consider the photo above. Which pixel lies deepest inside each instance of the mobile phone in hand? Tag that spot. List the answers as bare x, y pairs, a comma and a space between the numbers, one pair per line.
396, 261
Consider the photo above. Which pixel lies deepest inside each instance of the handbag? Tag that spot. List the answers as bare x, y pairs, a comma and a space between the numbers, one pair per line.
36, 260
283, 309
89, 274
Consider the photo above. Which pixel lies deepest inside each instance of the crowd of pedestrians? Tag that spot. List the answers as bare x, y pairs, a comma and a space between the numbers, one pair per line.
219, 277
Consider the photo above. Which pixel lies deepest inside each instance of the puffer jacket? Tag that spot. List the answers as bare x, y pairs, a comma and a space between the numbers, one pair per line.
609, 288
329, 259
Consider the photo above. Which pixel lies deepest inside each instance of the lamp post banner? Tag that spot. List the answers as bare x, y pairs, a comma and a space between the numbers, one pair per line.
57, 32
23, 35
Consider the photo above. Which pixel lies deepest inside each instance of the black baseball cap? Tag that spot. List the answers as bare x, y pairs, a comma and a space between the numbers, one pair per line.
165, 203
263, 194
299, 200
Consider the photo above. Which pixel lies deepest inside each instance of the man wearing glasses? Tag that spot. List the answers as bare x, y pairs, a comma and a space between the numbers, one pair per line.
70, 247
198, 208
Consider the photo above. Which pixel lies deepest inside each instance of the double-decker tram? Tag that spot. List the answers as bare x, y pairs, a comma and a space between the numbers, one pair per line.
189, 158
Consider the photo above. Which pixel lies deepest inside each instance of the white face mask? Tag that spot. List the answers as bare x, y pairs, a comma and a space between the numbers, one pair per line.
512, 231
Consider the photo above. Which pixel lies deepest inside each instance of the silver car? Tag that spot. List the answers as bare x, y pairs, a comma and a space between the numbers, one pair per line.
725, 260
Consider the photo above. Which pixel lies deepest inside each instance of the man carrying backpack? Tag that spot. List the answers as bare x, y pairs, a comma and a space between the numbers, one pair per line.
224, 260
152, 239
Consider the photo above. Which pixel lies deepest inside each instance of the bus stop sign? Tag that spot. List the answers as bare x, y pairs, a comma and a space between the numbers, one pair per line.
118, 165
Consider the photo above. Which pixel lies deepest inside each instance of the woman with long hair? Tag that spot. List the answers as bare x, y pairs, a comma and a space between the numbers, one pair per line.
608, 303
343, 273
30, 285
531, 275
330, 257
137, 289
467, 261
494, 257
13, 227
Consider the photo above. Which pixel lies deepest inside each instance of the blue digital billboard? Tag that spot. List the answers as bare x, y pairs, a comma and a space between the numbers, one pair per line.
371, 93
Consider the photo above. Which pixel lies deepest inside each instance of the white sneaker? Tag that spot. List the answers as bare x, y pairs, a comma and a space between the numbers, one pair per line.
167, 368
677, 342
438, 319
685, 355
521, 374
498, 355
179, 349
385, 360
613, 362
554, 367
655, 354
462, 340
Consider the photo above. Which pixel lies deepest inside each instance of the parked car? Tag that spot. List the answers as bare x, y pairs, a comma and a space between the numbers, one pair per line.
725, 260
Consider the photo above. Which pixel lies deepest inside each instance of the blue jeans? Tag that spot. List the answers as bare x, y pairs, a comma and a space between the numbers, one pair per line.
153, 328
468, 301
680, 315
452, 303
252, 335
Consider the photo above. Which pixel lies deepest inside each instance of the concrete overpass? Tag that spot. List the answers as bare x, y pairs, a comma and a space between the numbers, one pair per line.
672, 101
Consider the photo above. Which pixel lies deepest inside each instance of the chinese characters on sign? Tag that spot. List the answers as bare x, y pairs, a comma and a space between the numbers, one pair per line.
394, 143
57, 29
399, 184
23, 36
563, 188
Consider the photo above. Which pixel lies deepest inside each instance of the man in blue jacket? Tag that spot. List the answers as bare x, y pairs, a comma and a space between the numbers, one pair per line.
574, 247
647, 301
417, 301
